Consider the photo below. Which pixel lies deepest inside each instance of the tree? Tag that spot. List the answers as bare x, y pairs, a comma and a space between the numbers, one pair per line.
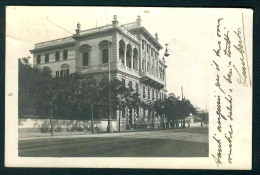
159, 108
89, 96
186, 109
133, 102
171, 108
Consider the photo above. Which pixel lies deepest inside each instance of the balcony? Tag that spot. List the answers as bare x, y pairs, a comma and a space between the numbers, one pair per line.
128, 70
152, 80
92, 69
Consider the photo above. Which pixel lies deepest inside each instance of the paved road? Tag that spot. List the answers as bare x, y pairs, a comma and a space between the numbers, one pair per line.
191, 142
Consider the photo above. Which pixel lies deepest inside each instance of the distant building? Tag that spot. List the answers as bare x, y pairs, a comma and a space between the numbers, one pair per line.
134, 55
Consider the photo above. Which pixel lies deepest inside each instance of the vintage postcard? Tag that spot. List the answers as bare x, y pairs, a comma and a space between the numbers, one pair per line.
129, 87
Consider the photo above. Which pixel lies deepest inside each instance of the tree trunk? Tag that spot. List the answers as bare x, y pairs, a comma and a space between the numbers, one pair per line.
92, 122
169, 125
184, 122
153, 119
51, 122
119, 127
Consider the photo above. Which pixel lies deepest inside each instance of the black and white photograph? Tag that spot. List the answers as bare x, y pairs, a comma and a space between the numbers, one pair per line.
128, 84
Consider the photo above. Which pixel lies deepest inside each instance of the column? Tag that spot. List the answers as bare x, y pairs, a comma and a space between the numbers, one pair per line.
157, 64
77, 57
137, 62
132, 59
140, 58
145, 58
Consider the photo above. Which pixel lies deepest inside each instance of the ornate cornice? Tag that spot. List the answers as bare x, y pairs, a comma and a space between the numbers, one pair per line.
148, 36
104, 33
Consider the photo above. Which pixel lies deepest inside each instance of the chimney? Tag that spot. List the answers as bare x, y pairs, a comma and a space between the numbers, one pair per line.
138, 20
156, 36
78, 29
115, 22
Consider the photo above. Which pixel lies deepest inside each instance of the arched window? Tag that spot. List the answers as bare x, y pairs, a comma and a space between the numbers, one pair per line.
122, 51
47, 70
128, 55
64, 70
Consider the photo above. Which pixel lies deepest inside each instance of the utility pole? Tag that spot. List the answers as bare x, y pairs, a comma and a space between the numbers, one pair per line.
183, 123
181, 93
109, 125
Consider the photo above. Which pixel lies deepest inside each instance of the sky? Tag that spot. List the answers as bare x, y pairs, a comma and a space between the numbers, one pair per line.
182, 29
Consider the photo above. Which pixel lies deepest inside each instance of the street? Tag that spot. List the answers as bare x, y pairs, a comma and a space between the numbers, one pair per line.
189, 142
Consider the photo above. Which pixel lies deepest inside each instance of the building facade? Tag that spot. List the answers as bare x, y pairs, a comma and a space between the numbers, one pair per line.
134, 58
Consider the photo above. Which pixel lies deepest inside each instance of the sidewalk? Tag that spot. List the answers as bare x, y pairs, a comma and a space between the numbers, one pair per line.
89, 134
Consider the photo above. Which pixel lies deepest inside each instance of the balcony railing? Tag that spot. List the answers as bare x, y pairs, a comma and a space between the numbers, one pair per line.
152, 77
98, 29
131, 25
54, 42
93, 68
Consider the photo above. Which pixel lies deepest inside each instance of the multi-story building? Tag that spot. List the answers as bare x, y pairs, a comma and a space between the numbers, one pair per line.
134, 59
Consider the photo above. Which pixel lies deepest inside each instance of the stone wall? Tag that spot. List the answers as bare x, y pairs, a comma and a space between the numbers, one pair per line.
44, 125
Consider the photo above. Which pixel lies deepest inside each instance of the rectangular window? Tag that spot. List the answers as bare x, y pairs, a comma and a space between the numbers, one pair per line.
57, 74
86, 59
148, 93
153, 94
123, 82
123, 112
156, 94
143, 44
130, 85
57, 56
143, 91
137, 88
38, 59
65, 54
105, 56
46, 57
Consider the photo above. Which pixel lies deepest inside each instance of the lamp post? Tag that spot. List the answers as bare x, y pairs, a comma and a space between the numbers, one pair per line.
109, 125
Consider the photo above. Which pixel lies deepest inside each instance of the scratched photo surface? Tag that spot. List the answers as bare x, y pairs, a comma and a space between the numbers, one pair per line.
128, 87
